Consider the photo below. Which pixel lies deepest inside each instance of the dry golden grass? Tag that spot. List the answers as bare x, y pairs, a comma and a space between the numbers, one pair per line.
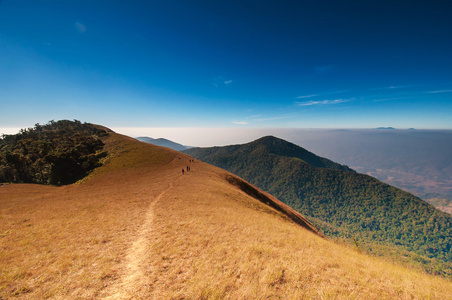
139, 229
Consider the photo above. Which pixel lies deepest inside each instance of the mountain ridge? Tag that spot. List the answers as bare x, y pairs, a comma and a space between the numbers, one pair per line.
281, 147
345, 204
271, 145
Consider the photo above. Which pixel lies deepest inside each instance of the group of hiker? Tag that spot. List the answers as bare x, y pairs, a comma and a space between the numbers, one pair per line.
188, 167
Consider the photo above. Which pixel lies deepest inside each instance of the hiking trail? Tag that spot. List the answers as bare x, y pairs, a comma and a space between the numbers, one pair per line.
134, 278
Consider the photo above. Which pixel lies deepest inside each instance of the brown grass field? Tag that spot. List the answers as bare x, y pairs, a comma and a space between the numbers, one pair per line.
137, 228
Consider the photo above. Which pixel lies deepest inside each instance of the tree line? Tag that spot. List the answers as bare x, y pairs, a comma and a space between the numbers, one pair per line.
56, 153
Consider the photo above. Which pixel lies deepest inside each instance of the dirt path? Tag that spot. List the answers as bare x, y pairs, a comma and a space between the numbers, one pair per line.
134, 278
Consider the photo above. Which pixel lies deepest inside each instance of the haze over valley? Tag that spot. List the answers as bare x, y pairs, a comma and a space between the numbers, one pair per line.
418, 161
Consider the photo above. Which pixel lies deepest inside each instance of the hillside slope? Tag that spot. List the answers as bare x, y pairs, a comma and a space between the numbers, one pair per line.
343, 203
136, 228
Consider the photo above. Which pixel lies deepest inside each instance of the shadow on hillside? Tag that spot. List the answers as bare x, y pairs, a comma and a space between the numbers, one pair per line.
272, 202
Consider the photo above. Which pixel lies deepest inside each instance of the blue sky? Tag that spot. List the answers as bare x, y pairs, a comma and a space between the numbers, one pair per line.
228, 64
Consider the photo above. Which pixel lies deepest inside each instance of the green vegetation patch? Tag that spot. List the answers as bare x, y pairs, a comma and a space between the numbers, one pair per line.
57, 153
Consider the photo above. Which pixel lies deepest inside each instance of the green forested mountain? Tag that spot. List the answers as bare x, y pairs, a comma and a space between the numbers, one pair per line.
57, 153
347, 205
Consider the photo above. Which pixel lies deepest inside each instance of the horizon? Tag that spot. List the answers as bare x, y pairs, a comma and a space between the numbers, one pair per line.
240, 65
222, 136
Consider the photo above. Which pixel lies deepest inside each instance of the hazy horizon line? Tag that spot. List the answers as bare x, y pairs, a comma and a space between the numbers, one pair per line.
221, 136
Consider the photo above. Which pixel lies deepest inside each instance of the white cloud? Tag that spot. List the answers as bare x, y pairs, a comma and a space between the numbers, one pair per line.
388, 99
323, 102
307, 96
440, 91
221, 81
240, 122
81, 28
323, 94
394, 87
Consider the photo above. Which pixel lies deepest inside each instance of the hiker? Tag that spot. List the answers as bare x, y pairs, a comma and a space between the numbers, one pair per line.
182, 171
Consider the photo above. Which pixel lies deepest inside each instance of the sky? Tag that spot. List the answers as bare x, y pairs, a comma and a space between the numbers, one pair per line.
150, 67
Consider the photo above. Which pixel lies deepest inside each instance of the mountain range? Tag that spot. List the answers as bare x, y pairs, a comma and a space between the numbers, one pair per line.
137, 227
417, 161
341, 202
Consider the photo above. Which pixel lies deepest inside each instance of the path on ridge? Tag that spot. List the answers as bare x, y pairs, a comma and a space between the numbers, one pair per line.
134, 278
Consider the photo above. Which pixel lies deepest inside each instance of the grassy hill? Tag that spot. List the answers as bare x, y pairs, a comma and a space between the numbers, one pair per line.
136, 228
344, 204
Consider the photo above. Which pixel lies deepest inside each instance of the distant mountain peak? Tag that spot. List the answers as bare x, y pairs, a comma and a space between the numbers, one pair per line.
163, 142
282, 147
268, 138
270, 145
